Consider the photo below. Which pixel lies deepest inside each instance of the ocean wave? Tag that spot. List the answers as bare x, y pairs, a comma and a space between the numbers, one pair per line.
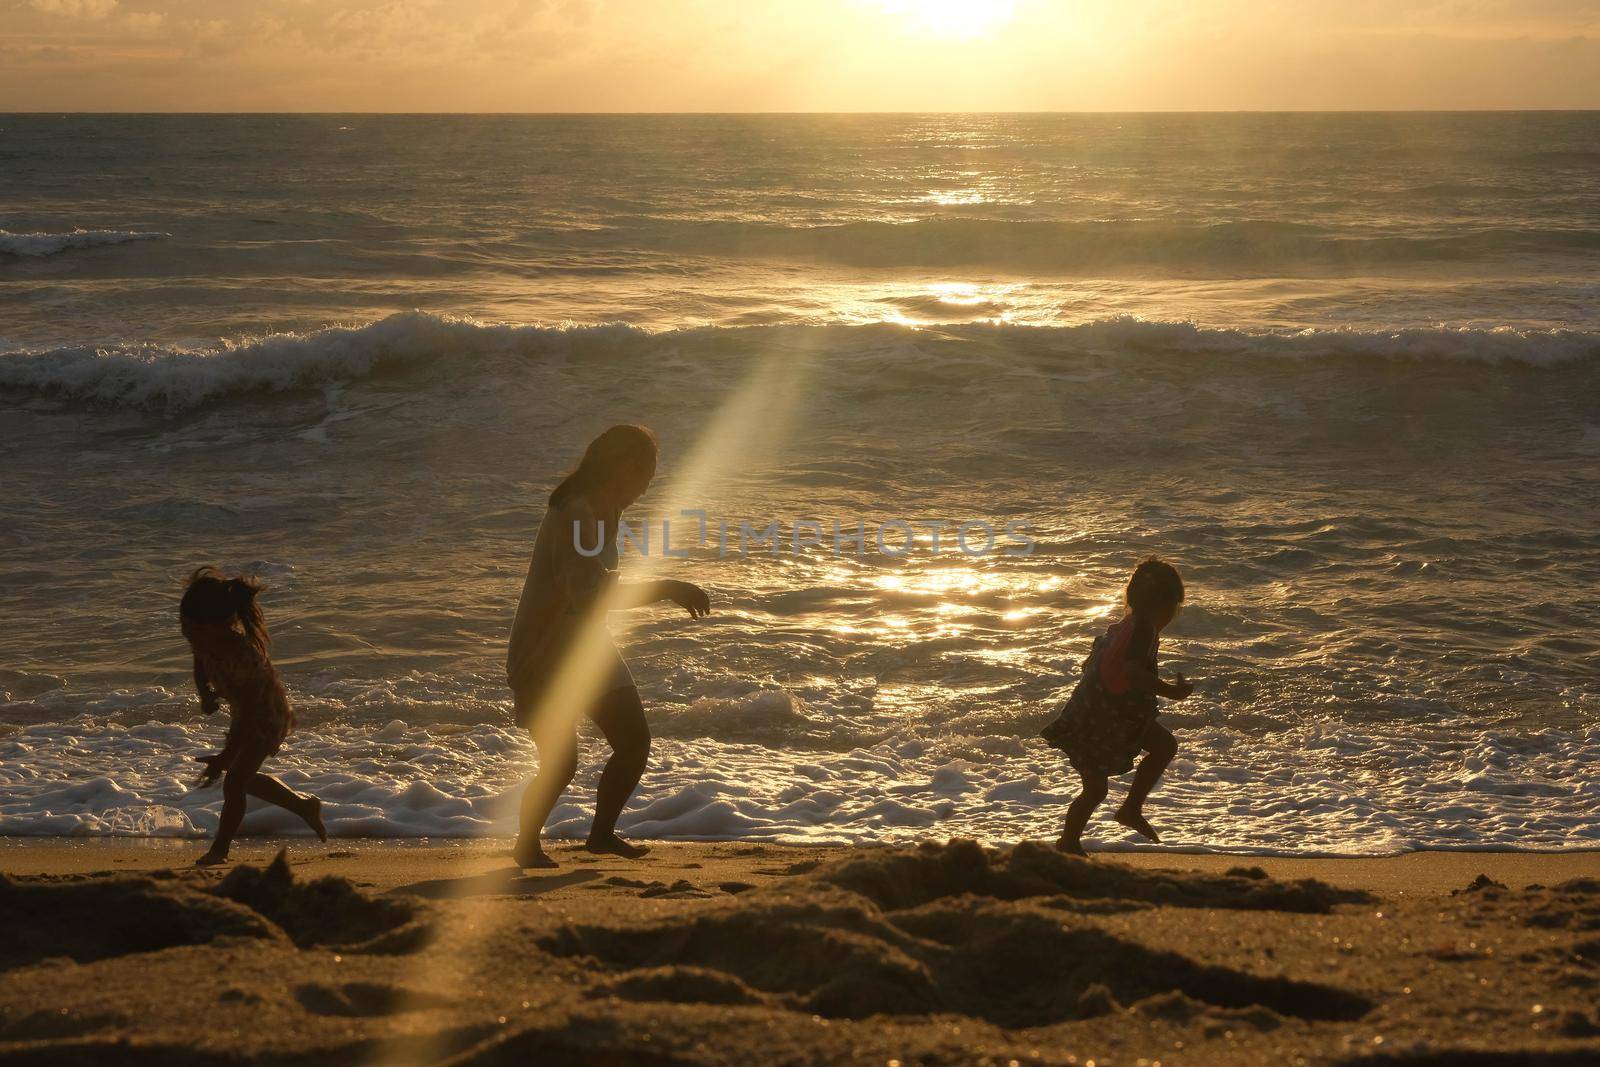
174, 378
1070, 247
177, 378
38, 245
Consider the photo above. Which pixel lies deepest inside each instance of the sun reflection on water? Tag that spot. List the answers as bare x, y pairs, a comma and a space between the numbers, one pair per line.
956, 198
944, 581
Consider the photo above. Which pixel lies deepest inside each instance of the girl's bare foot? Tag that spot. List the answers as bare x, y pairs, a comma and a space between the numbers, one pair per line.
212, 859
612, 845
1135, 821
312, 814
1071, 848
532, 856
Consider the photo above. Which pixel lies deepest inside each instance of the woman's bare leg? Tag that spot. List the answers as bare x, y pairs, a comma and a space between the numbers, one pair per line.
1160, 746
620, 717
558, 762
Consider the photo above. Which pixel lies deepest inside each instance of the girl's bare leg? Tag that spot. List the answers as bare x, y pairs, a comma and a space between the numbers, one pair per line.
1160, 746
234, 788
265, 787
1083, 805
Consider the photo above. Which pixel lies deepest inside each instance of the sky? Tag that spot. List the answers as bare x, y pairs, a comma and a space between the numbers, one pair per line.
797, 55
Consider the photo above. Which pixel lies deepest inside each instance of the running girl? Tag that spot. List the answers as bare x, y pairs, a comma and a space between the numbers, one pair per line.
228, 635
1111, 715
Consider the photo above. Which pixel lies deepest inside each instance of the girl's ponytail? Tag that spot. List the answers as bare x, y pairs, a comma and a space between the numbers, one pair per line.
210, 598
242, 594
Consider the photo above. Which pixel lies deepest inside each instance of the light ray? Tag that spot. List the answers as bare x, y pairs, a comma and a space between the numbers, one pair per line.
753, 420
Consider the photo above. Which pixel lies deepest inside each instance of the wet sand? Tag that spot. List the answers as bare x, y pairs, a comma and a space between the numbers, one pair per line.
375, 952
384, 865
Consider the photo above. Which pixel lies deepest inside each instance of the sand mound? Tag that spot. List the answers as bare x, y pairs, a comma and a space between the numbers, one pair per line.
680, 985
1573, 905
1021, 966
53, 1024
1481, 884
679, 888
798, 950
365, 999
327, 912
597, 1041
1477, 1058
903, 878
822, 950
98, 919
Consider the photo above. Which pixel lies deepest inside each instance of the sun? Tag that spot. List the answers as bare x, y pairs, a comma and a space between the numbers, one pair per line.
960, 20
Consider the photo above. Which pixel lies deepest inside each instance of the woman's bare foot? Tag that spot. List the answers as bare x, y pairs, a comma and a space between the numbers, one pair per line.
612, 845
212, 859
312, 814
532, 856
1071, 848
1135, 821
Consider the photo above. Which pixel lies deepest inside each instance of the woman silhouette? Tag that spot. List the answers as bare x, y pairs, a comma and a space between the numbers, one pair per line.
562, 662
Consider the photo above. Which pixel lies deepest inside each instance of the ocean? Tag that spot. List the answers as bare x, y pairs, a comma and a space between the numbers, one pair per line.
1344, 370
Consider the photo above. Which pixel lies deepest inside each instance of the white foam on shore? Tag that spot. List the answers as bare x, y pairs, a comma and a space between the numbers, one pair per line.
38, 245
1312, 793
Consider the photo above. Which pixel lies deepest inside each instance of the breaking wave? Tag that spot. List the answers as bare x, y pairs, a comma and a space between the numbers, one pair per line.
38, 245
176, 378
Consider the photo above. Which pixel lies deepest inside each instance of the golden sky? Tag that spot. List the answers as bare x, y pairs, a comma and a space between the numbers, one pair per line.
796, 55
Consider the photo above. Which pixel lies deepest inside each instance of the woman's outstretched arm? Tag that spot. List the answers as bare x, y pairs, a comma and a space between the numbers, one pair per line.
687, 595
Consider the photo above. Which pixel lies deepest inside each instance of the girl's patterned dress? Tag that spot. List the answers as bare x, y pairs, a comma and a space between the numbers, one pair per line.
1102, 725
240, 673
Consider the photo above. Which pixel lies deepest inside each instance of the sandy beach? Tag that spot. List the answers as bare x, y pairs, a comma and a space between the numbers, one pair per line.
373, 952
830, 445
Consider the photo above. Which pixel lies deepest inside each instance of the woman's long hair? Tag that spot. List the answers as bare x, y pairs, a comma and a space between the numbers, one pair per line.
605, 455
210, 598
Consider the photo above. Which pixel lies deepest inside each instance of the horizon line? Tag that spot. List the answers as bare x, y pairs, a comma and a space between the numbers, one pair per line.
774, 114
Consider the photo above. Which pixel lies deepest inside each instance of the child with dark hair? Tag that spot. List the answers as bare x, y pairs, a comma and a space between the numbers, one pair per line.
226, 631
1111, 716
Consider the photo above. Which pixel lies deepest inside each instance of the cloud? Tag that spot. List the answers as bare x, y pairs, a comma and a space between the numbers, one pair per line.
29, 55
143, 23
75, 9
809, 55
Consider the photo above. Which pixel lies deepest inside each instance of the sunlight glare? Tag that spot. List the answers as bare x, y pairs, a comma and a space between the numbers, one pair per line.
961, 20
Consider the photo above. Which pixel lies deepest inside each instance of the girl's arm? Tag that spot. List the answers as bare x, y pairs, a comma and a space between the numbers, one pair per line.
208, 695
216, 766
1142, 678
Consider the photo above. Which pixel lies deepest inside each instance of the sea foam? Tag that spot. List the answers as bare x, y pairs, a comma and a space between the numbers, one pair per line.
1307, 792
